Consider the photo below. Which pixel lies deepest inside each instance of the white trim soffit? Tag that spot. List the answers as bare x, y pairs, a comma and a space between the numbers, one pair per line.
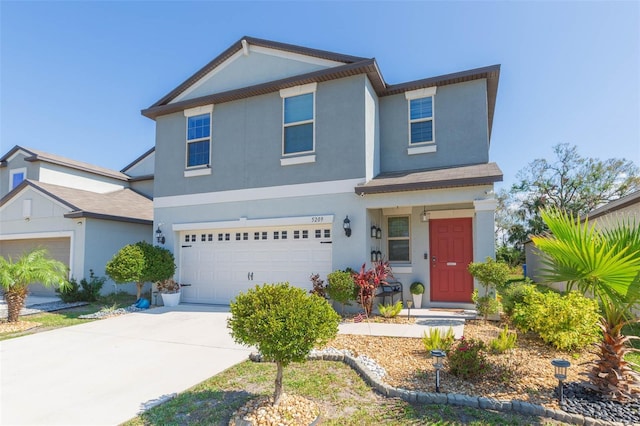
243, 222
490, 204
267, 193
37, 235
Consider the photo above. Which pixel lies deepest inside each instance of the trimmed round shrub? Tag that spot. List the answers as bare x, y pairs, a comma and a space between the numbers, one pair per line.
416, 287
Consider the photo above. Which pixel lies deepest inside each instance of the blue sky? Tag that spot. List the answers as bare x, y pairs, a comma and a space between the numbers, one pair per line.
75, 75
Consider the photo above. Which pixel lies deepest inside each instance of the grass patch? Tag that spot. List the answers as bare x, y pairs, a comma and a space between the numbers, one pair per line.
633, 330
69, 317
343, 396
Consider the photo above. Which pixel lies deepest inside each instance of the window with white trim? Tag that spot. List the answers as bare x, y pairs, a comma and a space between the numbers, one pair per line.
399, 239
298, 119
198, 146
16, 177
421, 116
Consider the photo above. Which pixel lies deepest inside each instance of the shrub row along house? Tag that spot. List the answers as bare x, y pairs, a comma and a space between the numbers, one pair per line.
276, 161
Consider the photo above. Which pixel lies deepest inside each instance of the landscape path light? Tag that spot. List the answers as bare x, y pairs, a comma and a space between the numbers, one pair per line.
560, 372
438, 356
409, 305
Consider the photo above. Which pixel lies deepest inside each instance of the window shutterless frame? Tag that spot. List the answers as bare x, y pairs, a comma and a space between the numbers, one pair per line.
298, 119
421, 116
16, 176
399, 239
198, 137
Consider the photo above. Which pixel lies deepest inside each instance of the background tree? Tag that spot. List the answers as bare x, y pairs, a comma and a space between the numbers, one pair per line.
141, 262
32, 267
283, 322
569, 182
604, 263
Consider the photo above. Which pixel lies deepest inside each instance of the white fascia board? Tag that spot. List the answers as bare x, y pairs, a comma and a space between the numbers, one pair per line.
255, 223
267, 193
36, 235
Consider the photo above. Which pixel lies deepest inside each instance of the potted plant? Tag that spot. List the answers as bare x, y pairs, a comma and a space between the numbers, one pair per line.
417, 289
170, 291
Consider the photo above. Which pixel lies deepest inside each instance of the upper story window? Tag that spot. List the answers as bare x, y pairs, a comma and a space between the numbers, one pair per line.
421, 118
198, 136
298, 134
399, 239
16, 177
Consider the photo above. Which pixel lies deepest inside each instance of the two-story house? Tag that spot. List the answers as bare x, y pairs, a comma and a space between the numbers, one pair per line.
81, 213
277, 161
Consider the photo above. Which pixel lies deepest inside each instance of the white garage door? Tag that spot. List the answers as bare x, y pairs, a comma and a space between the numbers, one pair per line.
59, 249
218, 264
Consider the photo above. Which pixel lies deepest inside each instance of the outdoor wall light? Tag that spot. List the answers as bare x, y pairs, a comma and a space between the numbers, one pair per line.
373, 255
425, 215
346, 225
560, 366
438, 356
159, 237
378, 233
378, 256
374, 230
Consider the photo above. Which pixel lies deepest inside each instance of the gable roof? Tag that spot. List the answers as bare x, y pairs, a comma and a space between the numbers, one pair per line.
37, 155
124, 205
353, 65
418, 180
137, 160
612, 206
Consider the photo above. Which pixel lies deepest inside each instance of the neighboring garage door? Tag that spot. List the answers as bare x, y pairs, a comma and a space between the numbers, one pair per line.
59, 249
218, 264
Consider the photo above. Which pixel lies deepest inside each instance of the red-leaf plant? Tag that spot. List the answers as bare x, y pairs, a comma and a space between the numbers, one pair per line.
368, 281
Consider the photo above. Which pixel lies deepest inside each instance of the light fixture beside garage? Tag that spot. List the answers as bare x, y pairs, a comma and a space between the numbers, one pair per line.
346, 225
425, 215
159, 237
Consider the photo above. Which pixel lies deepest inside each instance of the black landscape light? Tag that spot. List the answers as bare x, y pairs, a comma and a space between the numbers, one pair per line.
560, 372
438, 355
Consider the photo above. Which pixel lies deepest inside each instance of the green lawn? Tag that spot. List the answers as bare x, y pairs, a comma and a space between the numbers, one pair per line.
633, 330
69, 317
343, 396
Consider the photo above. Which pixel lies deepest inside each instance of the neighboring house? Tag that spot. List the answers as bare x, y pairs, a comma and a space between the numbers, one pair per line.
623, 209
81, 213
269, 151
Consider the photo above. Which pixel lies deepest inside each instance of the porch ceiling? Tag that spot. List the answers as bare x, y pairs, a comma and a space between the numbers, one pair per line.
418, 180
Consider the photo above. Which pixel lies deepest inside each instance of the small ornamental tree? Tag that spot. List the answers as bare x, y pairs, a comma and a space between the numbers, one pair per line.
283, 322
341, 287
33, 267
139, 263
490, 274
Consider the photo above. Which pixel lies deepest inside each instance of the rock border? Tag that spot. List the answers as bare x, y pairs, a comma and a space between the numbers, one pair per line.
418, 397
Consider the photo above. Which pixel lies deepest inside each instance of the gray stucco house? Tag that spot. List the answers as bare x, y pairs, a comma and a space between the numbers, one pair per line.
81, 213
269, 152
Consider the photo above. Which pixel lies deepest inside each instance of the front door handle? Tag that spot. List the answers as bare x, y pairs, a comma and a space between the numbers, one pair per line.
252, 276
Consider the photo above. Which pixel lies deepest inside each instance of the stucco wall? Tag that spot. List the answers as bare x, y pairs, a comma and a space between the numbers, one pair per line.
460, 129
246, 143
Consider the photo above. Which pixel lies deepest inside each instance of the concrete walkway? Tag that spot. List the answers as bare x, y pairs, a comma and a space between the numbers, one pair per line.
105, 372
426, 319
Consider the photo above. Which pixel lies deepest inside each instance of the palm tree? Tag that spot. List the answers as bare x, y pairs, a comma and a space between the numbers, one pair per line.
32, 267
603, 263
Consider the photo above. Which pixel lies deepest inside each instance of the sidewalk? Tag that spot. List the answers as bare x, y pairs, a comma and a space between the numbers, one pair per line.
426, 319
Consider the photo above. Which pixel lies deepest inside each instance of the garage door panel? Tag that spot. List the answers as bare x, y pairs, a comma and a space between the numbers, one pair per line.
227, 267
58, 248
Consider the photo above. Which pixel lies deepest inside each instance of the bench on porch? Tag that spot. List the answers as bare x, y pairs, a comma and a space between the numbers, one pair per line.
390, 289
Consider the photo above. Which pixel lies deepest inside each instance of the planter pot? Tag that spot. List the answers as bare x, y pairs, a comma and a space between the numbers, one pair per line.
417, 301
170, 299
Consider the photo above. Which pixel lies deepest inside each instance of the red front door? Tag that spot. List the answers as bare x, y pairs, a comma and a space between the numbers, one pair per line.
451, 246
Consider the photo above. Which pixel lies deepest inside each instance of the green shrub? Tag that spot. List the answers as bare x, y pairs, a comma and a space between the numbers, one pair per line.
436, 339
284, 323
514, 293
567, 321
390, 311
486, 305
87, 291
505, 341
341, 287
416, 287
467, 359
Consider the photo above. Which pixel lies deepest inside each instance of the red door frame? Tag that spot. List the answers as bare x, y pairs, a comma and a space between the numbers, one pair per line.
451, 251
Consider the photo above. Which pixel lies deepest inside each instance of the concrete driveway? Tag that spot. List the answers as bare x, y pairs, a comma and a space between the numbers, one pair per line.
105, 372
